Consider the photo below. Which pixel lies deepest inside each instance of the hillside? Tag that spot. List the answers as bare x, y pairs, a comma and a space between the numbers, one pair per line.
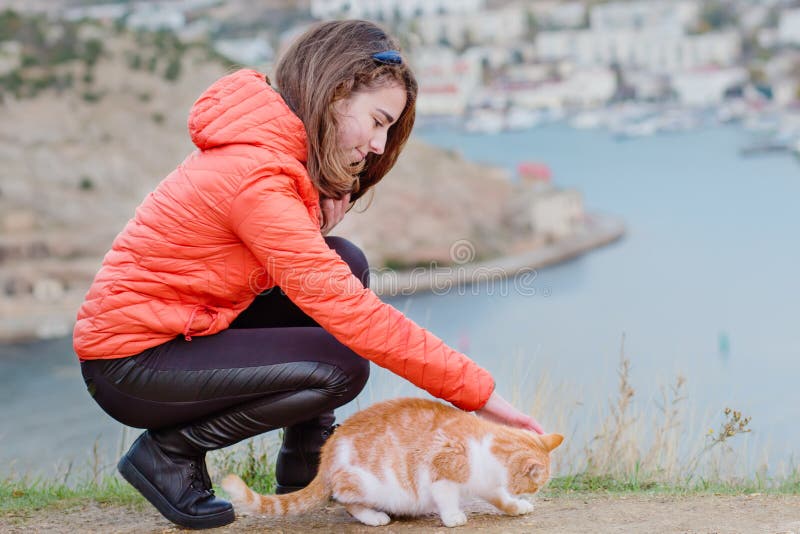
80, 156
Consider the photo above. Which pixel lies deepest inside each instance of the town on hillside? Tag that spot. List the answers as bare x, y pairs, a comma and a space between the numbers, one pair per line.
634, 67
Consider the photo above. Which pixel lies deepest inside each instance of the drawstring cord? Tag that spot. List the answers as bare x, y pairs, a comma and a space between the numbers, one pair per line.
186, 330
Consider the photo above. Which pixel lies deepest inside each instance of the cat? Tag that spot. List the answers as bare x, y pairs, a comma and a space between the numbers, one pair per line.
412, 457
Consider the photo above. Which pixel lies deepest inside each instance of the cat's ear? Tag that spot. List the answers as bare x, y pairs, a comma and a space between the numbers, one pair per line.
551, 441
533, 468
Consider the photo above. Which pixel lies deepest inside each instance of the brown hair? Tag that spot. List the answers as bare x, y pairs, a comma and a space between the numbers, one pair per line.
327, 63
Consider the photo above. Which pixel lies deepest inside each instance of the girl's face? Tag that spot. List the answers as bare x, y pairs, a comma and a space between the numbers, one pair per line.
365, 117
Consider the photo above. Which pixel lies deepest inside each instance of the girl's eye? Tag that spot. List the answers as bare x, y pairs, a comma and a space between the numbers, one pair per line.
377, 123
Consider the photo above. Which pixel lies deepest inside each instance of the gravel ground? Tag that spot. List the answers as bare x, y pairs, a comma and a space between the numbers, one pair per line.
576, 513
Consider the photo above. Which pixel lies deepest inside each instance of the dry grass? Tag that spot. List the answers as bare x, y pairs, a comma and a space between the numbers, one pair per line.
635, 447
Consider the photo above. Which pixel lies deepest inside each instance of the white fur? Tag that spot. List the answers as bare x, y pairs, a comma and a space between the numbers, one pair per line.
486, 473
382, 492
368, 516
446, 495
513, 505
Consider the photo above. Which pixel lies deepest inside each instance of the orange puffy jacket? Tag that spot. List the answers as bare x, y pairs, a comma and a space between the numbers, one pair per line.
237, 217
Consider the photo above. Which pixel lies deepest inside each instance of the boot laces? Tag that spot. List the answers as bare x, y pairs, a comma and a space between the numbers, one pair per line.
196, 476
327, 432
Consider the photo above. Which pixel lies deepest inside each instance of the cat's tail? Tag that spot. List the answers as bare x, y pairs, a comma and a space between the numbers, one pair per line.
246, 500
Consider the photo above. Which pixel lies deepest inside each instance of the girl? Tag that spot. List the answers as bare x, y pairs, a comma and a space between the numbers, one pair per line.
222, 311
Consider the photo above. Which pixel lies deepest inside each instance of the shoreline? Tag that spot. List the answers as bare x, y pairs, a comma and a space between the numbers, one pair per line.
599, 230
55, 320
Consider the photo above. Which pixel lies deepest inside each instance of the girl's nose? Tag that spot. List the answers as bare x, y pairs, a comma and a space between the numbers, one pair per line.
377, 144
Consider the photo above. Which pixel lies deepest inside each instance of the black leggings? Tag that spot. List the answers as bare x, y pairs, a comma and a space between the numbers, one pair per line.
274, 367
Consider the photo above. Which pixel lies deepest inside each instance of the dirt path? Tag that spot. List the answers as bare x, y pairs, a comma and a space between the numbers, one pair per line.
718, 514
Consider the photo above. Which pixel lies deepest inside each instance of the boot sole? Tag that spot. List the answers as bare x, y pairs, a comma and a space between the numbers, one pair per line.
149, 492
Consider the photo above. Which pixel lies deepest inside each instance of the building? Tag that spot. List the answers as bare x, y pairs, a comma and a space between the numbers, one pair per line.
446, 80
391, 10
582, 88
653, 50
789, 27
250, 51
556, 213
101, 12
552, 15
496, 27
156, 17
10, 56
669, 16
707, 86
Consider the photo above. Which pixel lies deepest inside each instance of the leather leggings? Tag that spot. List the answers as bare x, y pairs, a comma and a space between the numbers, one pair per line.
274, 367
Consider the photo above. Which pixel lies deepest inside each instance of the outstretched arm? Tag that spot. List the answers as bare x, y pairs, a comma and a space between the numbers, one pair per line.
271, 218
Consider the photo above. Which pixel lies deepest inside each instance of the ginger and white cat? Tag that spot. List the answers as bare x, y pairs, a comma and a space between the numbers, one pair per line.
411, 457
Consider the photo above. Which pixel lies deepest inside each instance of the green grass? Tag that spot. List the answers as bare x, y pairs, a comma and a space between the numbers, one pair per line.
605, 484
251, 461
30, 495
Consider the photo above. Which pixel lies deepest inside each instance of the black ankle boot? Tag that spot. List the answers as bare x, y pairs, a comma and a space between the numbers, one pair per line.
173, 477
298, 459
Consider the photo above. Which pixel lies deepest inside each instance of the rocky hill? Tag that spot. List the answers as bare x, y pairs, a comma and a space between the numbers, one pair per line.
80, 156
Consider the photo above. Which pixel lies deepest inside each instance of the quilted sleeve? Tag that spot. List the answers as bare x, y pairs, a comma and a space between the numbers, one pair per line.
269, 216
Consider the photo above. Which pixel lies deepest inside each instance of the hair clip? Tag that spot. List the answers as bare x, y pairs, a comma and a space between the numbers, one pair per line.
390, 57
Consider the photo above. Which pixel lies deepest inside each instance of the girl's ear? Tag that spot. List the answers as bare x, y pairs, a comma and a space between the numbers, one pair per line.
551, 441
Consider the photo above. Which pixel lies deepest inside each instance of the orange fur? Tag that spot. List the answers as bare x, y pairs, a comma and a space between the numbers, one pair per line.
391, 456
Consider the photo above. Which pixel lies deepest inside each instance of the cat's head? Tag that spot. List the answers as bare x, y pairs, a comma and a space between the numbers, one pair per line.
529, 465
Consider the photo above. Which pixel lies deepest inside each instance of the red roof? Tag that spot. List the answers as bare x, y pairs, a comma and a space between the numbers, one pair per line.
534, 171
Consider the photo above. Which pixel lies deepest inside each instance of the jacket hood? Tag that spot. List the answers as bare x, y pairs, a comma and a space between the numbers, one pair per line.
243, 108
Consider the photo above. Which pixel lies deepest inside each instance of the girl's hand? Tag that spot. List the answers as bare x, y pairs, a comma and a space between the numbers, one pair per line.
334, 210
499, 410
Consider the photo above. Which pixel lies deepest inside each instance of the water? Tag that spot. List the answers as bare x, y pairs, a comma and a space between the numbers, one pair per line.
702, 285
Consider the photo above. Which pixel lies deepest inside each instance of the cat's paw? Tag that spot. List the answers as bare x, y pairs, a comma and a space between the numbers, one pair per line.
373, 518
454, 519
523, 507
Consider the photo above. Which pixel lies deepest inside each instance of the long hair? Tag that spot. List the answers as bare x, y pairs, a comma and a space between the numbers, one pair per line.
328, 63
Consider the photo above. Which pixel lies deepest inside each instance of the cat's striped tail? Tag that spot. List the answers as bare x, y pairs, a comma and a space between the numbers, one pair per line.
246, 500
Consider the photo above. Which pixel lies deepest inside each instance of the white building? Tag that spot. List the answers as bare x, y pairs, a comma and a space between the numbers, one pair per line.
446, 81
154, 17
391, 9
647, 85
647, 49
782, 64
582, 88
254, 51
780, 74
785, 91
498, 27
558, 15
102, 12
768, 37
557, 213
789, 27
707, 86
663, 15
751, 18
10, 56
